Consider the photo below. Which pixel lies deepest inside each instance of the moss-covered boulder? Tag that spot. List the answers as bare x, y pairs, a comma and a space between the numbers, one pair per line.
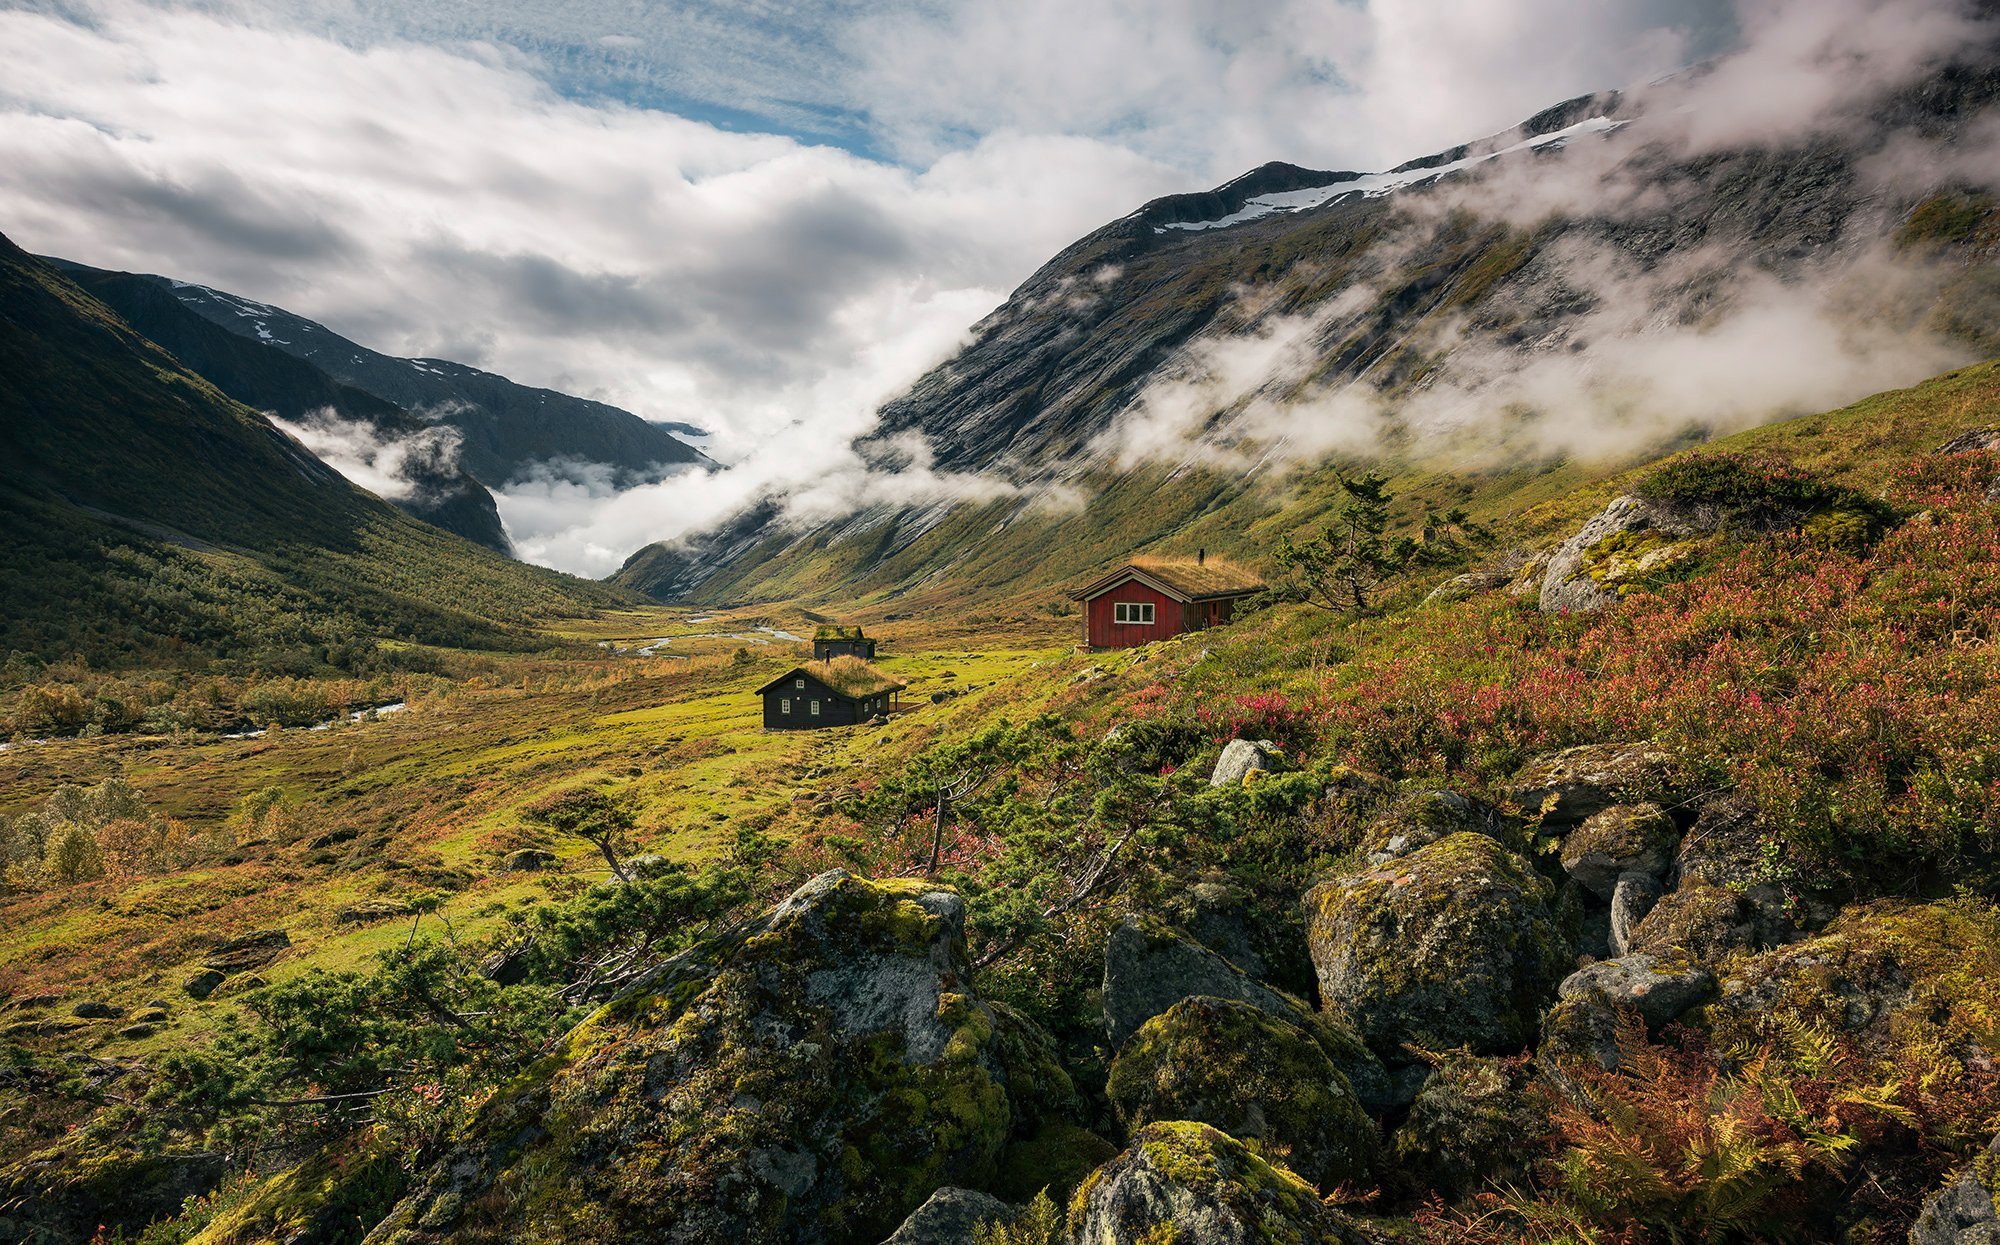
813, 1077
1700, 923
1257, 1077
1475, 1121
1731, 846
1421, 819
1625, 838
1453, 945
1892, 976
1186, 1182
1149, 967
1569, 786
61, 1195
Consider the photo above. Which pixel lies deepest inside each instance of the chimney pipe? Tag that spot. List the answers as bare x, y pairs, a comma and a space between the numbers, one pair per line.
1201, 557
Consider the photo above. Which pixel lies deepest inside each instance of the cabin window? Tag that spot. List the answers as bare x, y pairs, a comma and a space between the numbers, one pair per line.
799, 683
815, 708
784, 704
1135, 612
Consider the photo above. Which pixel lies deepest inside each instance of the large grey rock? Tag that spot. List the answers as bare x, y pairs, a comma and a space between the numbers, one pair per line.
950, 1217
1569, 585
1570, 786
1625, 838
1218, 915
1635, 895
1452, 945
1242, 758
1967, 1210
1148, 968
203, 983
1189, 1182
1659, 993
527, 860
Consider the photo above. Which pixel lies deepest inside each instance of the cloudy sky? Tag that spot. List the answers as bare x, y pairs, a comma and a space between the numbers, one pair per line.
758, 216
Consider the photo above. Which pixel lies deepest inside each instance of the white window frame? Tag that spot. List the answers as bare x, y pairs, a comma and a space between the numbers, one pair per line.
784, 704
799, 683
814, 711
1132, 613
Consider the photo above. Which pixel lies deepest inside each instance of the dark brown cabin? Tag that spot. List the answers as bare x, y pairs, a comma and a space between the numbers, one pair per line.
1153, 599
842, 692
830, 642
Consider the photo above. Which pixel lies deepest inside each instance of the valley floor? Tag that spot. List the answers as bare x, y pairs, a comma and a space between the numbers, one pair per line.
377, 819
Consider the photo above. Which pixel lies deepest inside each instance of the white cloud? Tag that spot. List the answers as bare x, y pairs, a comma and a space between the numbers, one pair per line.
392, 467
477, 179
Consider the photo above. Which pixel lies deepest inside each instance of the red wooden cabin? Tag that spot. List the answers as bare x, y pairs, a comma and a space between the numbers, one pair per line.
1153, 599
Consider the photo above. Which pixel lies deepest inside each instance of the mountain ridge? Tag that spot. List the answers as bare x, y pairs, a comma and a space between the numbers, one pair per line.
509, 430
1383, 298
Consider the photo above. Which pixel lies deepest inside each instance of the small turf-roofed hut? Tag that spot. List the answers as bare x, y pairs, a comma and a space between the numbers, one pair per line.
840, 692
1154, 598
833, 641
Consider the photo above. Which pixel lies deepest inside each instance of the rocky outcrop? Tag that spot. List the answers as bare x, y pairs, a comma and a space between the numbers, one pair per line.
1148, 968
813, 1077
1253, 1075
1627, 541
1453, 945
1182, 1181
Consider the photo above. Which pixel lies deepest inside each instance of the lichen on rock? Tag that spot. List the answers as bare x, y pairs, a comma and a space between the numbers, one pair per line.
1256, 1076
1181, 1181
1570, 786
1149, 967
1469, 1124
810, 1078
1453, 945
1625, 838
1888, 976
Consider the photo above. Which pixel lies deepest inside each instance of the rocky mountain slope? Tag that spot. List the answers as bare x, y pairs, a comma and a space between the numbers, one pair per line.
440, 489
147, 512
508, 430
1511, 304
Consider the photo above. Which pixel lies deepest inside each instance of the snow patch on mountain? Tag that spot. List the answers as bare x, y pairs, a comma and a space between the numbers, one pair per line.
1375, 185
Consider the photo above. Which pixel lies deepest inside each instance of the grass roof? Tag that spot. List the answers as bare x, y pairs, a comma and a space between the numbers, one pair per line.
834, 631
1214, 577
851, 676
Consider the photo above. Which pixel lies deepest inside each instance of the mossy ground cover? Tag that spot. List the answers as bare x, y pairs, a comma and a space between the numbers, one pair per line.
418, 807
